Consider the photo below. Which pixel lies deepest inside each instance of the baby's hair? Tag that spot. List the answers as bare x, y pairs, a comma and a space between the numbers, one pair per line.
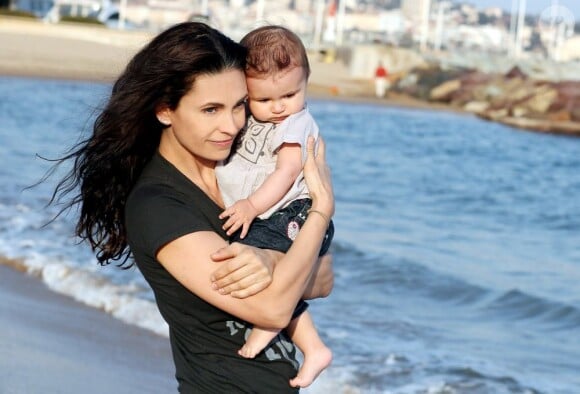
272, 49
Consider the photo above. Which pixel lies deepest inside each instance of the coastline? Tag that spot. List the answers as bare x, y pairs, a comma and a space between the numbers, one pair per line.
68, 51
51, 343
71, 51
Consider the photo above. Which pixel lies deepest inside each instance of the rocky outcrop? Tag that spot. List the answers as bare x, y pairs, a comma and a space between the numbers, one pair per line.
512, 98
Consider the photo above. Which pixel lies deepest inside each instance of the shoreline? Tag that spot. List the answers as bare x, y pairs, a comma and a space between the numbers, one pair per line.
77, 52
51, 343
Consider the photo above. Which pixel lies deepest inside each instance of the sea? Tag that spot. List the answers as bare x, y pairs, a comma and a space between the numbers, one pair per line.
456, 252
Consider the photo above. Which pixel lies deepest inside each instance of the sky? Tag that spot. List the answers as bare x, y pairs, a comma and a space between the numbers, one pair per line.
532, 6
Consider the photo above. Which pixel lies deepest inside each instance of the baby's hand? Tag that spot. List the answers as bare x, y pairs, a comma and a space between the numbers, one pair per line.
241, 214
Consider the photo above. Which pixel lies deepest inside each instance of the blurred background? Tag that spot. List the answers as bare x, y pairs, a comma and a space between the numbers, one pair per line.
452, 131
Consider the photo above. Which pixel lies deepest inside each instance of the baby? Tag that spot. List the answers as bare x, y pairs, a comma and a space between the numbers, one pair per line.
262, 184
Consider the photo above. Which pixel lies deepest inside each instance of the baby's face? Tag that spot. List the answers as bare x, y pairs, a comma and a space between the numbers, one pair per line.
275, 97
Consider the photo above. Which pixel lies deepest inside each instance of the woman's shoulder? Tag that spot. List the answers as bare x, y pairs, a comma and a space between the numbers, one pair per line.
160, 179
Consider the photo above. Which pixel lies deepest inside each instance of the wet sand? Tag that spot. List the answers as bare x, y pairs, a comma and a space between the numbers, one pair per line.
50, 343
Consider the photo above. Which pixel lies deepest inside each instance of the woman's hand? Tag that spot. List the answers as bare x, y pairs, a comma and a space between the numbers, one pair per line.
244, 270
318, 179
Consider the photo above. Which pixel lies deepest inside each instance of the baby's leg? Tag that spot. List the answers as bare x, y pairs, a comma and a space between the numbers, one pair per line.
259, 338
316, 355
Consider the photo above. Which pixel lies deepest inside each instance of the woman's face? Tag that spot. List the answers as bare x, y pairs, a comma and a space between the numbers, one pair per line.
207, 118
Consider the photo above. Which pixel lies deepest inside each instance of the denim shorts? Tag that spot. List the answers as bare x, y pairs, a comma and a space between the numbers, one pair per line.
279, 230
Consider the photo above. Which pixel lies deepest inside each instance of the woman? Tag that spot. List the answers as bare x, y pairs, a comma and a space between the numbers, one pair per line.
148, 188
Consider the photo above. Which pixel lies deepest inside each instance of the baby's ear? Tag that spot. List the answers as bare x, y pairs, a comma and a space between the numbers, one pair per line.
163, 116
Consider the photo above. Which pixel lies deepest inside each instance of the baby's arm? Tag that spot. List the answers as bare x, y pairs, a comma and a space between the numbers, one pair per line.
276, 185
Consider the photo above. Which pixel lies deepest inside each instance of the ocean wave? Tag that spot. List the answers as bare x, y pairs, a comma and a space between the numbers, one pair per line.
517, 305
123, 301
395, 275
396, 373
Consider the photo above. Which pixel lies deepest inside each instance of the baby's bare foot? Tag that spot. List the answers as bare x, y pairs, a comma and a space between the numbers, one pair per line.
314, 363
259, 338
248, 352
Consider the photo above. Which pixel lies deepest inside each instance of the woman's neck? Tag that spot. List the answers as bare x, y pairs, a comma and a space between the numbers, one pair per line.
198, 170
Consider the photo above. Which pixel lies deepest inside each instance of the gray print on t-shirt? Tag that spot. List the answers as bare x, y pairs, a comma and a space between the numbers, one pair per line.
279, 348
254, 140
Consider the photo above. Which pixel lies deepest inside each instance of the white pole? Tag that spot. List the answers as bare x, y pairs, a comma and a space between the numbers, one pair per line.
520, 32
340, 22
439, 26
426, 11
260, 10
553, 13
553, 27
318, 22
513, 18
122, 14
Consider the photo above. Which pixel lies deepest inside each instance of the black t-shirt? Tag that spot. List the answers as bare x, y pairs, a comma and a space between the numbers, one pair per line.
163, 206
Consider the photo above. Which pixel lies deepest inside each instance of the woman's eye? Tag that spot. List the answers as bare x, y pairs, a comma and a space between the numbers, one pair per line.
210, 110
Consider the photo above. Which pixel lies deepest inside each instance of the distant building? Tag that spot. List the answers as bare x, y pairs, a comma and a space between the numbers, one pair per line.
493, 12
414, 10
470, 13
568, 50
488, 38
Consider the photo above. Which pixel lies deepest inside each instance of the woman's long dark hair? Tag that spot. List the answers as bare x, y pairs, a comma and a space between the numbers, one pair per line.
127, 133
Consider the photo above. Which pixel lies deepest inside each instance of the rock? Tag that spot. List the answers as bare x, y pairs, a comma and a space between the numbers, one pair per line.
519, 111
575, 112
444, 92
544, 125
434, 76
476, 106
493, 90
560, 103
496, 114
560, 116
462, 96
521, 92
498, 89
516, 72
499, 103
568, 89
407, 81
541, 100
475, 78
509, 85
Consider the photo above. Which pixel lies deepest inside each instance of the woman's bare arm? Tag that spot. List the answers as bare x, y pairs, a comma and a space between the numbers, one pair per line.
252, 276
322, 281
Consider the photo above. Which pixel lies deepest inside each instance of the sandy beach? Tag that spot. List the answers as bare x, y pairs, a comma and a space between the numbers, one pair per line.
31, 48
51, 344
